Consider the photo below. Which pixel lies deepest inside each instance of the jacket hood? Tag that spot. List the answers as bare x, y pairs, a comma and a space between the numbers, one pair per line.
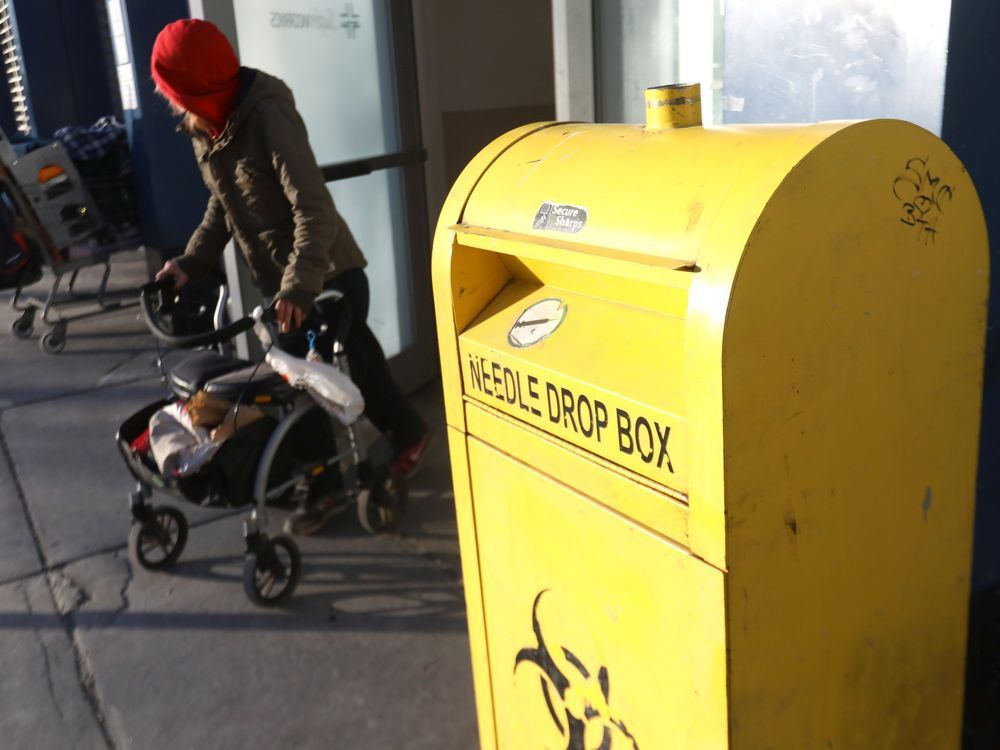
195, 67
256, 88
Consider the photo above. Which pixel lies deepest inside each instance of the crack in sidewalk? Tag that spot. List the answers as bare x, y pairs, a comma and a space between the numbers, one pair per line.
46, 663
84, 670
111, 549
123, 591
88, 683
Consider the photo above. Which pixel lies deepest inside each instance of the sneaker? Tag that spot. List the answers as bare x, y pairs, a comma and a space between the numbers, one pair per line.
311, 518
408, 460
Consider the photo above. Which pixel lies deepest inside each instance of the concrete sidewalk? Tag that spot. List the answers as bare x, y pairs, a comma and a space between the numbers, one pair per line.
371, 653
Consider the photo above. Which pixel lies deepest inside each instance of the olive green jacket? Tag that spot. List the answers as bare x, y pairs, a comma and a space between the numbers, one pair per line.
268, 193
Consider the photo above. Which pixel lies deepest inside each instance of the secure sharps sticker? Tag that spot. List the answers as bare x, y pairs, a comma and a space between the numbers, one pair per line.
560, 217
537, 322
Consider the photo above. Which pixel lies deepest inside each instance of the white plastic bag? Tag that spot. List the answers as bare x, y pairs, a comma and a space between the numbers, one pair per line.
331, 388
179, 447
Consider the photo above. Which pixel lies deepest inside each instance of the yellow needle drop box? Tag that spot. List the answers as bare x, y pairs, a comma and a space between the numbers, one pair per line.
713, 401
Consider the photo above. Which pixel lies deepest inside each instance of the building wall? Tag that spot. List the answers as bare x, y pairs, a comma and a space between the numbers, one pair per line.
8, 122
970, 111
483, 69
172, 196
970, 114
60, 43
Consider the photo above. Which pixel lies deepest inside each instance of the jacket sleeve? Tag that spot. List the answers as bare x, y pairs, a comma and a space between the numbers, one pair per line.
207, 243
312, 207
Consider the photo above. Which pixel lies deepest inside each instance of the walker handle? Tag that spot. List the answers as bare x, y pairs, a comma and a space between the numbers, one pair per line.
157, 297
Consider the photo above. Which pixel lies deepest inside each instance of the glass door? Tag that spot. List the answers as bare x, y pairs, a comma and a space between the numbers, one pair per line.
351, 68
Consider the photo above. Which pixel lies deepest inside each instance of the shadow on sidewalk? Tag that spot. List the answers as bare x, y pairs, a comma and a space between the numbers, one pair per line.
340, 591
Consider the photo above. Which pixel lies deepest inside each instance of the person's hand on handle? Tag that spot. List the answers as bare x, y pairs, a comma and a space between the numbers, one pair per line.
289, 315
171, 268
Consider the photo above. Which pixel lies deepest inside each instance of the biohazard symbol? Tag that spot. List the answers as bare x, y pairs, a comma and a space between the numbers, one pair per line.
576, 699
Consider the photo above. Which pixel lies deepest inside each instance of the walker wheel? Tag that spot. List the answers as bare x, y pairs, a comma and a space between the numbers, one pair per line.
381, 504
24, 326
271, 573
54, 341
156, 543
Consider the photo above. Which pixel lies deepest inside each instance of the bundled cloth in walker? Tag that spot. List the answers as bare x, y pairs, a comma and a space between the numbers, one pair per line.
184, 435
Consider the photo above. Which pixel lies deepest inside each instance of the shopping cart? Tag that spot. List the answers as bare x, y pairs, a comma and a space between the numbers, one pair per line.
71, 221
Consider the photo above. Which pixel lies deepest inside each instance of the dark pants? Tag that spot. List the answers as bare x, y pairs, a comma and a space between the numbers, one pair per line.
385, 404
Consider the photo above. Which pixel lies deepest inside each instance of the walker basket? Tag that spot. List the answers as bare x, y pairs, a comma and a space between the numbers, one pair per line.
226, 480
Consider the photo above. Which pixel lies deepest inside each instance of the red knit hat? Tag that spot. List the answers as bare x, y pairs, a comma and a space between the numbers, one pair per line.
194, 65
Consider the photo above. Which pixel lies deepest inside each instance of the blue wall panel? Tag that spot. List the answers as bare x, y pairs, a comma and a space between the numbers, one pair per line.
64, 63
172, 196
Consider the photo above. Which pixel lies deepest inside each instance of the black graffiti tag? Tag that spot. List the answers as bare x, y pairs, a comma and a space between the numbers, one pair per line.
577, 701
922, 197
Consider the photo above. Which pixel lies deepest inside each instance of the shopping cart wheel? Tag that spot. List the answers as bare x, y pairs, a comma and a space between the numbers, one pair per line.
271, 572
381, 503
54, 341
24, 326
156, 542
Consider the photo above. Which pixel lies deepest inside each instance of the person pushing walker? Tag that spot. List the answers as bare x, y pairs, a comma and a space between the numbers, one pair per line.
267, 192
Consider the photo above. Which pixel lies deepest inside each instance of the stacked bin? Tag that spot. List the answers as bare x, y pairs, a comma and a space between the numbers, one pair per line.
713, 405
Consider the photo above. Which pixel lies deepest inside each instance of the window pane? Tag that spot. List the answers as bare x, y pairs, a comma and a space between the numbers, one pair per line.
337, 61
373, 208
119, 38
636, 48
788, 61
776, 60
126, 86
